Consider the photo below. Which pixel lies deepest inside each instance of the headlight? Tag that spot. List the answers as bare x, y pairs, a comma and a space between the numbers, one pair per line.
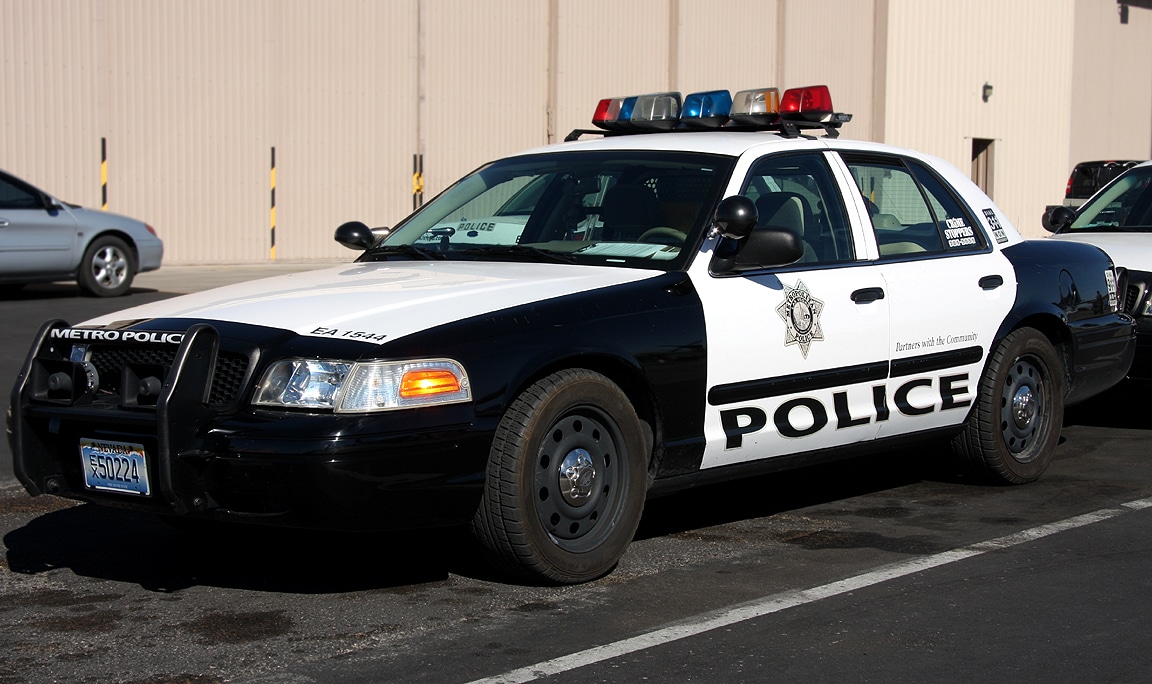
361, 387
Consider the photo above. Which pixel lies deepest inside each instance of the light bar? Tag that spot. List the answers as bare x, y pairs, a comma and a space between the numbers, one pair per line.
707, 110
757, 109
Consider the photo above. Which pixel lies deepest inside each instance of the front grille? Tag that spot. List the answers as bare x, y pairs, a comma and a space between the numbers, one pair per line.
1134, 296
227, 378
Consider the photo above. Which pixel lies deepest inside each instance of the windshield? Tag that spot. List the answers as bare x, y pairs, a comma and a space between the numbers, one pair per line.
620, 208
1124, 206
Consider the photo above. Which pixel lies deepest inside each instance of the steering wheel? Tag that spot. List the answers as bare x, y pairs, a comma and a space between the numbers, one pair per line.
663, 235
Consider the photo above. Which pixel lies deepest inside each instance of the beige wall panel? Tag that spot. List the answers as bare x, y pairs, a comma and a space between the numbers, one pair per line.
609, 48
829, 42
716, 53
49, 91
941, 54
486, 84
192, 95
187, 124
344, 98
1111, 85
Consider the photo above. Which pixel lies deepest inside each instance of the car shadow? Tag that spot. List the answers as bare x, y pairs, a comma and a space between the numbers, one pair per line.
123, 546
771, 494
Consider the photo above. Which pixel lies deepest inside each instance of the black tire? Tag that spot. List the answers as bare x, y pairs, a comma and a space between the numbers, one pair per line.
566, 480
1013, 429
108, 267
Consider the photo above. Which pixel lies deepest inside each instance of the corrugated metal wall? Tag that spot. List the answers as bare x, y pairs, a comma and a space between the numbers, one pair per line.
193, 96
1111, 74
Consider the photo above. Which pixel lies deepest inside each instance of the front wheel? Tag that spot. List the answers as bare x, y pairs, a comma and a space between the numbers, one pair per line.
566, 480
108, 267
1012, 432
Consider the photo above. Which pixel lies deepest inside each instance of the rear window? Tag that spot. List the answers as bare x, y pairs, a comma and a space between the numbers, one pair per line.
1088, 177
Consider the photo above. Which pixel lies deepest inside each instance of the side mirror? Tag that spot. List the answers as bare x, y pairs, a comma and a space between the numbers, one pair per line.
1060, 218
746, 247
49, 203
355, 235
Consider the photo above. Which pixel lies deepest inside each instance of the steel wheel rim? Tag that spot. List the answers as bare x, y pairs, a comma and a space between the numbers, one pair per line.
109, 267
579, 479
1023, 403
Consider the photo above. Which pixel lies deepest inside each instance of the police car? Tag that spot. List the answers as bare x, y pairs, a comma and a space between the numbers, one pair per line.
718, 286
1118, 219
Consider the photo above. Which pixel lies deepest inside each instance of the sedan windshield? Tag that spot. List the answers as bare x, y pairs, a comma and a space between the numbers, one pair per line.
1124, 206
621, 208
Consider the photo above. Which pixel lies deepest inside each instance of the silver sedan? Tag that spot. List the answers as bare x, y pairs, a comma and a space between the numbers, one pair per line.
44, 239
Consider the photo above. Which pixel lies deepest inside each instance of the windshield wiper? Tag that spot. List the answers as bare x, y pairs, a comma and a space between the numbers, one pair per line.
402, 250
522, 252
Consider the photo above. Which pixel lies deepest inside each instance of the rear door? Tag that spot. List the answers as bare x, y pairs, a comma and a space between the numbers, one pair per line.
948, 291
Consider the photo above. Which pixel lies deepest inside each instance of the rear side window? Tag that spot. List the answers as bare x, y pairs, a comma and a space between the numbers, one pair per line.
912, 211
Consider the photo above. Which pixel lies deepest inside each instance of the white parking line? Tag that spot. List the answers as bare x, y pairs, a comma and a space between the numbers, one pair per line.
790, 599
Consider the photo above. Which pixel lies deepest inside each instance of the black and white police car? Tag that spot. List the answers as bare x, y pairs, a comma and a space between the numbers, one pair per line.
570, 330
1118, 220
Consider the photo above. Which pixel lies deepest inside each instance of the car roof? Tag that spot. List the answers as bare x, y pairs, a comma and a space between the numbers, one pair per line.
729, 143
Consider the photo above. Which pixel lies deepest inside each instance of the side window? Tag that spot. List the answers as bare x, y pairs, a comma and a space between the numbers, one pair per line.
903, 222
912, 211
797, 191
13, 196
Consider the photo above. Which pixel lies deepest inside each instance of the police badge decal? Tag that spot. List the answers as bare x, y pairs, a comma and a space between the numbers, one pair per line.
801, 314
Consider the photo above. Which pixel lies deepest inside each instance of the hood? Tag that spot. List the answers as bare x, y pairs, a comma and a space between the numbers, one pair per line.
381, 300
1130, 250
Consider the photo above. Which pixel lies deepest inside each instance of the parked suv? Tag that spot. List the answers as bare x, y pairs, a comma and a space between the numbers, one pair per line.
1088, 177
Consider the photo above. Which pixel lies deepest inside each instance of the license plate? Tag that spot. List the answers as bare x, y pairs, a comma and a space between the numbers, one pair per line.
114, 466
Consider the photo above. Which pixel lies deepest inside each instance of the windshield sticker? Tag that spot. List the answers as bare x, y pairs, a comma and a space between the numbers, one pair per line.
801, 314
959, 233
997, 229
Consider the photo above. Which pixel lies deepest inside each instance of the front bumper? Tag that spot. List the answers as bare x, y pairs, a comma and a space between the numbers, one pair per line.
217, 458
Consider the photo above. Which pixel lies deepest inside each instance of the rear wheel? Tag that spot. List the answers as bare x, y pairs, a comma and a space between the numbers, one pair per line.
1012, 432
108, 267
566, 480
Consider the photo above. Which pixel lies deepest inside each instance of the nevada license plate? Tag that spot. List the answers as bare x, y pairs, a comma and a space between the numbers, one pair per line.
114, 466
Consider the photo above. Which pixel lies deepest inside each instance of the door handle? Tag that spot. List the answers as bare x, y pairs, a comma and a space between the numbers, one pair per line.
3, 223
991, 282
868, 294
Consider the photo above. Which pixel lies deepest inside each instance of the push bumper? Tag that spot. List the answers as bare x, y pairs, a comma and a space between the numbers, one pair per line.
228, 462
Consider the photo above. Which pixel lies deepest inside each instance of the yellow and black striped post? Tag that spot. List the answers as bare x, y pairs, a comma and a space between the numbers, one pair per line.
103, 174
272, 210
417, 180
